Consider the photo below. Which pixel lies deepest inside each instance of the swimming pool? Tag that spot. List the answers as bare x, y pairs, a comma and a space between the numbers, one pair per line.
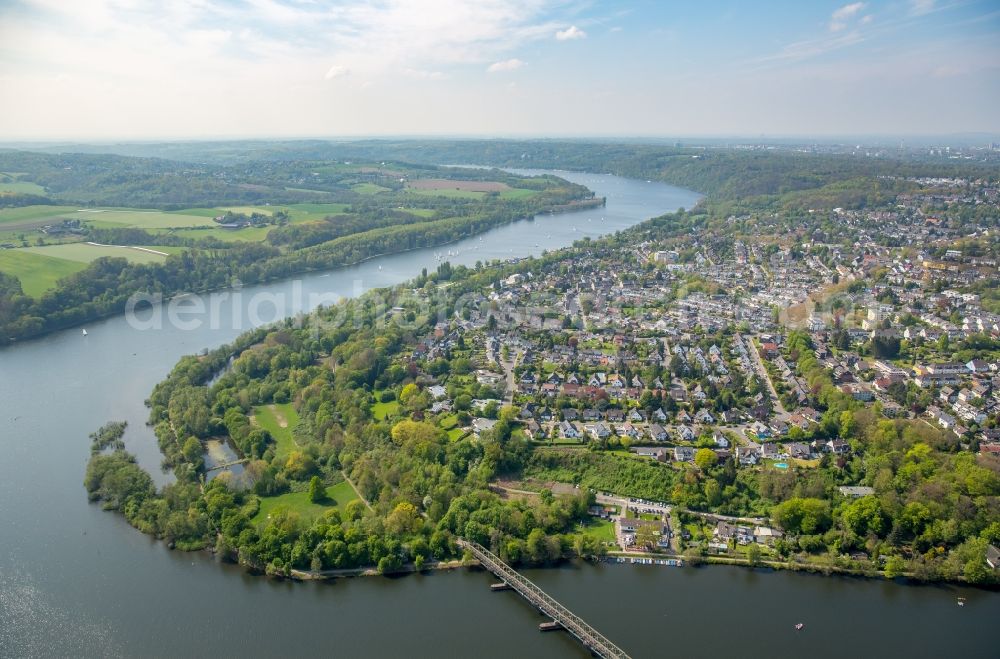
781, 465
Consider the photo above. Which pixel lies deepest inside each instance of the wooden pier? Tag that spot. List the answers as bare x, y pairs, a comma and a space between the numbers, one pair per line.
562, 617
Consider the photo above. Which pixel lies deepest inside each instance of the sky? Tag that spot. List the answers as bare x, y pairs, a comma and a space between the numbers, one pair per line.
178, 69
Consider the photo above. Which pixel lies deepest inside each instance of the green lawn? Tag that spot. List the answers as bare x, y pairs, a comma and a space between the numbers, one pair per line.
600, 529
456, 434
38, 273
381, 411
85, 253
280, 420
449, 421
337, 496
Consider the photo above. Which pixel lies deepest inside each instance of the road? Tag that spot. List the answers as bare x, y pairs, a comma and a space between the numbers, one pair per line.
762, 373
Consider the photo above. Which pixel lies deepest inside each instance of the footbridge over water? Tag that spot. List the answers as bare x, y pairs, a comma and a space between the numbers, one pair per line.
592, 639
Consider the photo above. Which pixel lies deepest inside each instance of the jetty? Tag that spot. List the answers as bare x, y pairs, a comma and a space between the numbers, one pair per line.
562, 617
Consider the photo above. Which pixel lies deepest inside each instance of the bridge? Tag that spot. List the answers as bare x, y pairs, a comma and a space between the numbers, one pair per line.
592, 639
226, 465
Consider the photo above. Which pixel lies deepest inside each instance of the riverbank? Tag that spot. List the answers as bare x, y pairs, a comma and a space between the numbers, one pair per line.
408, 568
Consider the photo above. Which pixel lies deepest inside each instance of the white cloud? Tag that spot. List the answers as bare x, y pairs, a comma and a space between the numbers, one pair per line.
840, 18
336, 71
421, 74
572, 32
921, 7
505, 65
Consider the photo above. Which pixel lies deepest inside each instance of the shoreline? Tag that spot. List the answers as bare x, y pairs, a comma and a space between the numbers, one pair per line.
555, 210
611, 558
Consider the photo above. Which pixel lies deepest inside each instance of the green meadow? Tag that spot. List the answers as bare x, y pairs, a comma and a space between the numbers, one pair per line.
85, 252
280, 420
38, 273
337, 496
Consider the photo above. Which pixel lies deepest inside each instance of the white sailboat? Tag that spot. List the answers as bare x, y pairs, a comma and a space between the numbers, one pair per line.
85, 332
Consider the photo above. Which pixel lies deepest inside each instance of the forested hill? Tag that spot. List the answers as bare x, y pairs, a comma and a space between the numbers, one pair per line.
720, 173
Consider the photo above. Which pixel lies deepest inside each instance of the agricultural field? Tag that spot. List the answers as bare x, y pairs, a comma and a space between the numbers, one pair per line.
337, 496
11, 183
280, 421
87, 252
39, 268
38, 273
368, 188
139, 219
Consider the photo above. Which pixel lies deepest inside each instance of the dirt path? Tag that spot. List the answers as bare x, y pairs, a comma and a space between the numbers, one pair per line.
278, 416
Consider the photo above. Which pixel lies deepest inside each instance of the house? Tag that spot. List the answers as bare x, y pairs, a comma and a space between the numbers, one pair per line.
748, 455
720, 440
684, 454
770, 451
837, 447
636, 416
570, 414
765, 535
533, 430
798, 450
855, 491
615, 415
569, 430
437, 392
658, 453
658, 432
630, 431
600, 430
685, 433
480, 424
993, 557
725, 532
630, 528
660, 415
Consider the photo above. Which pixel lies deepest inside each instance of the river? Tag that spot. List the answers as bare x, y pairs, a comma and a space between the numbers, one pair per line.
77, 581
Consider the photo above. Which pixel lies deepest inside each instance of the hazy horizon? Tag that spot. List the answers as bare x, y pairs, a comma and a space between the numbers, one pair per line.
131, 70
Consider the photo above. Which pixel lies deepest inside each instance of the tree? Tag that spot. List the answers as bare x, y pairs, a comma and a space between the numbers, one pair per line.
753, 554
317, 492
705, 458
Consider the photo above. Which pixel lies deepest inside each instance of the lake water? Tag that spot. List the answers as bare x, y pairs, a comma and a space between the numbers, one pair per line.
76, 581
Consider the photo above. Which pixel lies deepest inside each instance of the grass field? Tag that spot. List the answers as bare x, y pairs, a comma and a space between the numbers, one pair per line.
140, 219
517, 193
383, 410
368, 188
280, 421
451, 194
26, 214
419, 212
249, 234
456, 434
85, 252
38, 273
599, 529
337, 496
21, 187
